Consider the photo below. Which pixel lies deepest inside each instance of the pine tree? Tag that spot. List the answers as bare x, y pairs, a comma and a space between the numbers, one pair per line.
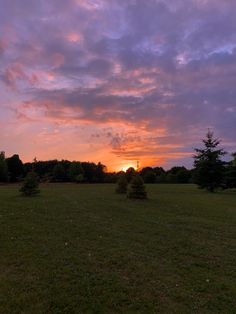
137, 188
122, 185
230, 174
209, 168
3, 168
31, 185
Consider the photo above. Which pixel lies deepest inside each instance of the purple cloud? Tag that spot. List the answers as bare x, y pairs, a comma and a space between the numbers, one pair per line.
165, 68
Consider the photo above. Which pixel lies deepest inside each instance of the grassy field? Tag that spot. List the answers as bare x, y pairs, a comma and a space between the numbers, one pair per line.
84, 249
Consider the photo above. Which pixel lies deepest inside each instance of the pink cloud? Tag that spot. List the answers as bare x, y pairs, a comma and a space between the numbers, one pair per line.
74, 37
16, 73
58, 59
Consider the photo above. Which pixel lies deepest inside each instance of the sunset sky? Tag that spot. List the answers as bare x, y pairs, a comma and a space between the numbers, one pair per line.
116, 81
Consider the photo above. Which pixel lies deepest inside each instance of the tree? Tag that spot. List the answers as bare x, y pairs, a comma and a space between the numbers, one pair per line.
137, 188
122, 185
130, 173
148, 175
209, 168
178, 175
59, 173
31, 185
15, 168
3, 168
230, 174
100, 172
183, 175
75, 171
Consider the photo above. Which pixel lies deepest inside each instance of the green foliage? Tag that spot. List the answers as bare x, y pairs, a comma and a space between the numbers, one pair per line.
130, 173
171, 178
150, 177
148, 174
178, 175
137, 188
230, 174
79, 178
3, 168
59, 173
31, 185
209, 168
76, 172
122, 185
234, 160
183, 176
15, 168
161, 178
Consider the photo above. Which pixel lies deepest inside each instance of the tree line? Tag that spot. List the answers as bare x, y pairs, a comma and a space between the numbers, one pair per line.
210, 171
12, 169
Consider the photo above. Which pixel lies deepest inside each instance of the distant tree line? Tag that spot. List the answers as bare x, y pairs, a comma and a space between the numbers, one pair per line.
209, 171
12, 169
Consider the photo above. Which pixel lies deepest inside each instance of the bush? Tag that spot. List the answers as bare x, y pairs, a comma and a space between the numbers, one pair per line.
122, 185
137, 189
31, 185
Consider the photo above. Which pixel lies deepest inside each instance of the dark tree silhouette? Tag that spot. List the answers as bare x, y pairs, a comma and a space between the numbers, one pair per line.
130, 173
122, 184
59, 173
209, 168
76, 172
137, 188
230, 174
15, 168
148, 175
31, 185
3, 168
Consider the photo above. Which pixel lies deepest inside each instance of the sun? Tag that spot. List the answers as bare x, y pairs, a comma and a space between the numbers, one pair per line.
128, 165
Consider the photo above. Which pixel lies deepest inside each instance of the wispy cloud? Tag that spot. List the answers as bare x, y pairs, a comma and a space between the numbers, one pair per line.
155, 73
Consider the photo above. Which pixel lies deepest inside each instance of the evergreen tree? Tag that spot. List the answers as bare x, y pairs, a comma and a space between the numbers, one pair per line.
209, 168
130, 173
230, 174
137, 188
122, 185
31, 185
3, 168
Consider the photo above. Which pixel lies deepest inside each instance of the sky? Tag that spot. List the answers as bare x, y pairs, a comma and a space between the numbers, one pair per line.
116, 81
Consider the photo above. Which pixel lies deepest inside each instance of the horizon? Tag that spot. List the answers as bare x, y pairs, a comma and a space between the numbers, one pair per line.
117, 82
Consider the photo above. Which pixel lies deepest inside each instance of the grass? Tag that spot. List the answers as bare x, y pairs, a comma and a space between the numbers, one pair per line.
85, 249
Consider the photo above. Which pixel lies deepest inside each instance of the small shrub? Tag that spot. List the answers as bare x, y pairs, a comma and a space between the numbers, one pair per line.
31, 185
137, 189
122, 185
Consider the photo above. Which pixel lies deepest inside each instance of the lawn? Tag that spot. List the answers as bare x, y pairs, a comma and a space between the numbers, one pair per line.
84, 249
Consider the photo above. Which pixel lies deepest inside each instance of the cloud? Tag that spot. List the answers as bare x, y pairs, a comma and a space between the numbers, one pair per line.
164, 70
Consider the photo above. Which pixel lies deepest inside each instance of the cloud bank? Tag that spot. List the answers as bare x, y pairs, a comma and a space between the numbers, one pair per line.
116, 80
